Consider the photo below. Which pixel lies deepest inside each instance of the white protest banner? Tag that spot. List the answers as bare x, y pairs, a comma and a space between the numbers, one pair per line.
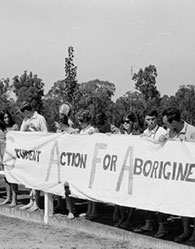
119, 169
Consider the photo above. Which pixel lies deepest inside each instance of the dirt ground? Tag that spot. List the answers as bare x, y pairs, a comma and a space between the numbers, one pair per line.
19, 234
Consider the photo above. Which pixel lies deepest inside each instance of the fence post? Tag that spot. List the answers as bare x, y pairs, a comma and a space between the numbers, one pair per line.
48, 206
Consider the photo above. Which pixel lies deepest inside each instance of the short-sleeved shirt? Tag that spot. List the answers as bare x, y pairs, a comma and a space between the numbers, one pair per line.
155, 133
186, 134
35, 123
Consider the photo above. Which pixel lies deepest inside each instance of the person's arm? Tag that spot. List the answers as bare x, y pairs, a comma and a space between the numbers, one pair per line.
114, 129
24, 126
43, 125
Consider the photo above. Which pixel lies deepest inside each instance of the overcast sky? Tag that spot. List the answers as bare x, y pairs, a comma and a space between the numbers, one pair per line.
109, 38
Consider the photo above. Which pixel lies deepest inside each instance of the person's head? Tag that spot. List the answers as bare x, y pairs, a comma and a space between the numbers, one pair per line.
65, 112
128, 121
26, 109
150, 117
172, 118
65, 109
8, 120
84, 118
101, 118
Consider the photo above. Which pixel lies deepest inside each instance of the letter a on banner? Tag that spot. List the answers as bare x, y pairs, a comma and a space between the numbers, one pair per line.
55, 161
128, 167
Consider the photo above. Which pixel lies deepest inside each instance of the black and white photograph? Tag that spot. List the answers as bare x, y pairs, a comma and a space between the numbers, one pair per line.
97, 124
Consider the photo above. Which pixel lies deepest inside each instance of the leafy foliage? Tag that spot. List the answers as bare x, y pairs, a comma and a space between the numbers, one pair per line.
4, 93
185, 99
131, 101
28, 87
63, 90
70, 76
95, 95
146, 83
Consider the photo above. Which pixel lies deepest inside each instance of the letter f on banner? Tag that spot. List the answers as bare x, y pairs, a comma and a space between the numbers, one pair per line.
128, 167
55, 161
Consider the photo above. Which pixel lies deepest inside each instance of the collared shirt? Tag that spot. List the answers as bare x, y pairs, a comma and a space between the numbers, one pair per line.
154, 134
35, 123
186, 134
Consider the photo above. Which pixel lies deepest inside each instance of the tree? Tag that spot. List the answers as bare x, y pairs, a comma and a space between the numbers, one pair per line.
70, 76
64, 90
61, 91
185, 99
4, 94
166, 102
7, 101
131, 101
95, 95
29, 87
146, 84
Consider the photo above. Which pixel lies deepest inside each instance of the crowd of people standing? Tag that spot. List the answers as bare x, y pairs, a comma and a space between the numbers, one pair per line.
173, 128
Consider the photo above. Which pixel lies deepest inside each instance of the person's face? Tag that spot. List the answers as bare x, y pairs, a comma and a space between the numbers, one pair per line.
61, 116
150, 121
26, 114
127, 124
6, 119
83, 124
169, 125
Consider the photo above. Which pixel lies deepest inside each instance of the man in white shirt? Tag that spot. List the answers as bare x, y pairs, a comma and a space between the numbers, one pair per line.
178, 129
32, 122
153, 134
153, 131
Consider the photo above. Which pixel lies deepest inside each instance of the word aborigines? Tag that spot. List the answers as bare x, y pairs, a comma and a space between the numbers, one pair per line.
165, 170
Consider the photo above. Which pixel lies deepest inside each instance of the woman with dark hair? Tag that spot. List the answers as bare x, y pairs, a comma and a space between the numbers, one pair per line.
9, 122
129, 126
11, 188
